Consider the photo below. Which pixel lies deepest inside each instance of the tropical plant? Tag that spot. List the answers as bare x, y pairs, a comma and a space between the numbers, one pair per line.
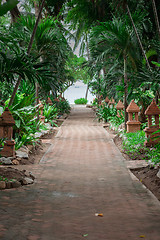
105, 112
50, 113
115, 38
62, 105
81, 101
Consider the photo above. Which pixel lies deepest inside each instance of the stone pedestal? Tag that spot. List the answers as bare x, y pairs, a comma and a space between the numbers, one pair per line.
120, 108
106, 100
111, 102
42, 118
133, 124
6, 132
152, 111
49, 101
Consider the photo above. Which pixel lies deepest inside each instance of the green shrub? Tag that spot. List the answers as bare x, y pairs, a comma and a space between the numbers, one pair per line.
133, 142
62, 105
81, 101
50, 113
153, 155
95, 102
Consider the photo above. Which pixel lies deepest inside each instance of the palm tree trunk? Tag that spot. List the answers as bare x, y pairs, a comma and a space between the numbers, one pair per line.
156, 17
28, 52
125, 90
37, 99
140, 43
158, 30
88, 55
37, 9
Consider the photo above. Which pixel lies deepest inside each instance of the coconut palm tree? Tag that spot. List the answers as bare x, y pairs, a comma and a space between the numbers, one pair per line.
114, 38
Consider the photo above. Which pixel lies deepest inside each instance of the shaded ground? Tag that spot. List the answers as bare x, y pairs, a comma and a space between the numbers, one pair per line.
147, 175
149, 178
35, 156
81, 174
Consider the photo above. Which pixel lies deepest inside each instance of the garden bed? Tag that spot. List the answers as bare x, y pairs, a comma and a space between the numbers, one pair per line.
147, 175
14, 178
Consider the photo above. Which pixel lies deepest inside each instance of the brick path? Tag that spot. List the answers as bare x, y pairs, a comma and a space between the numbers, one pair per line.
82, 173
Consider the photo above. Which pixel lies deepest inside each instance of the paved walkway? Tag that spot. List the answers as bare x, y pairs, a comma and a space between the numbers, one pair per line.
82, 173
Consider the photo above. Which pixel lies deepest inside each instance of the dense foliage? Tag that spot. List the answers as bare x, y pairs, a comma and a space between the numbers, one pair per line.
119, 48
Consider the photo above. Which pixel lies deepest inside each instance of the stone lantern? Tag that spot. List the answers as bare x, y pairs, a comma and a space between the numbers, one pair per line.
49, 101
133, 124
106, 100
6, 131
42, 118
100, 98
111, 102
152, 111
120, 108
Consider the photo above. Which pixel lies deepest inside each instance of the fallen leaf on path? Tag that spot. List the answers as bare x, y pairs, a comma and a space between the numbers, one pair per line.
85, 235
99, 214
142, 236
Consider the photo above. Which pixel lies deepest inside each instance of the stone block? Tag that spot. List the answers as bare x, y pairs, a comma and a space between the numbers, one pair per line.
2, 185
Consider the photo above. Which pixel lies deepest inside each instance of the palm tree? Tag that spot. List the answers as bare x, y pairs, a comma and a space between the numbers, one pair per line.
114, 39
28, 51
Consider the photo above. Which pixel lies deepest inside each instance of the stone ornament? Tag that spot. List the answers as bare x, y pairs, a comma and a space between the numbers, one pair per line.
6, 131
106, 100
42, 118
120, 108
111, 102
152, 111
133, 124
49, 101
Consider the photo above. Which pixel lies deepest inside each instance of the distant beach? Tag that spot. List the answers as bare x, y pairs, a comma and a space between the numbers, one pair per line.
78, 90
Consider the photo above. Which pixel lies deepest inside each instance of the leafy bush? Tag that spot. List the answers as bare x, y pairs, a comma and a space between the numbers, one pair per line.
81, 101
95, 102
133, 142
26, 125
115, 122
62, 105
24, 139
50, 113
153, 155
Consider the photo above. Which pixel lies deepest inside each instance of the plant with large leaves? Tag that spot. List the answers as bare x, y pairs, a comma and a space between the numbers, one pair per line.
50, 45
115, 38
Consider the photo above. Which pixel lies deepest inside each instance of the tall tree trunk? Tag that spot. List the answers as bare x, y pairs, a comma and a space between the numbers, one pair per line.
37, 10
28, 52
139, 41
88, 55
125, 90
37, 99
158, 30
156, 17
15, 14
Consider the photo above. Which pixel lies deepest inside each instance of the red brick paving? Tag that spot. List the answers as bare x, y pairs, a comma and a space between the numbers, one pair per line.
83, 173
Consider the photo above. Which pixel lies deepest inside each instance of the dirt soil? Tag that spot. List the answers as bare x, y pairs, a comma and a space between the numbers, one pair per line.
147, 175
11, 173
34, 157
